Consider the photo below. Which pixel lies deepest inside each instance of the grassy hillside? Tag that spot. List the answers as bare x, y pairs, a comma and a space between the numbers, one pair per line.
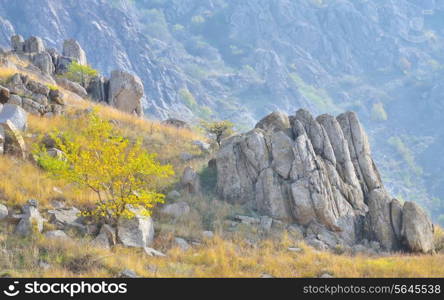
243, 252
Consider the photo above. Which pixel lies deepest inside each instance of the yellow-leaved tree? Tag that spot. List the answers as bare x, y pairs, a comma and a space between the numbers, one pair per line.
119, 171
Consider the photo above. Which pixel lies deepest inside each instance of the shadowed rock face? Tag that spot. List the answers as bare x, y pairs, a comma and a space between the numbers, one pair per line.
306, 170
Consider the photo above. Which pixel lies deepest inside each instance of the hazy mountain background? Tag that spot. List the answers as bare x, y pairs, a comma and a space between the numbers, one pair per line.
239, 60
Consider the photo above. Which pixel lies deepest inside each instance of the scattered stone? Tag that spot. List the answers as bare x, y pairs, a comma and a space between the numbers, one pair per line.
106, 237
30, 221
128, 274
204, 147
190, 181
185, 156
326, 275
137, 231
295, 249
176, 123
182, 244
153, 252
265, 275
65, 218
317, 244
176, 210
208, 234
3, 212
265, 223
44, 265
15, 114
56, 153
58, 191
247, 220
33, 203
56, 234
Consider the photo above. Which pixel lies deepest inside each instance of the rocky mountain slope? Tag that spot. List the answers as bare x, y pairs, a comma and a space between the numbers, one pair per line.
326, 209
241, 60
316, 173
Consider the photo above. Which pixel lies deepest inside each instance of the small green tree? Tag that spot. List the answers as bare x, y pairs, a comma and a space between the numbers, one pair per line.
218, 130
80, 73
118, 171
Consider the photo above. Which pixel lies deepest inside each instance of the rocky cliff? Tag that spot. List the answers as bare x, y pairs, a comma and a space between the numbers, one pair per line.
319, 173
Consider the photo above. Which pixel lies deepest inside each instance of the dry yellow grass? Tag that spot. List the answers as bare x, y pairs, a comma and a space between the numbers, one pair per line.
167, 141
214, 258
6, 73
21, 181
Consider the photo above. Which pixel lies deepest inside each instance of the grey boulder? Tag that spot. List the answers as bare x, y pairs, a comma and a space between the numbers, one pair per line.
15, 114
137, 231
417, 229
176, 210
30, 221
126, 92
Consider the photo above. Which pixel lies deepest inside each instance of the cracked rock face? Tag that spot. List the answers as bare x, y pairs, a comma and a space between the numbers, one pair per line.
318, 171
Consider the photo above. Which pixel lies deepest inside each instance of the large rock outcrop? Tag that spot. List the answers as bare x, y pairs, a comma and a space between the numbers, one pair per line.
73, 50
126, 92
123, 90
32, 96
319, 171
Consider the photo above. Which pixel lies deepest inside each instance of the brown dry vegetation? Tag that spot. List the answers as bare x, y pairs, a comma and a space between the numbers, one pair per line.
227, 255
213, 258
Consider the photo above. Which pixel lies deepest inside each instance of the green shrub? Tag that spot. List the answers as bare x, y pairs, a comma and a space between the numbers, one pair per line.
80, 73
